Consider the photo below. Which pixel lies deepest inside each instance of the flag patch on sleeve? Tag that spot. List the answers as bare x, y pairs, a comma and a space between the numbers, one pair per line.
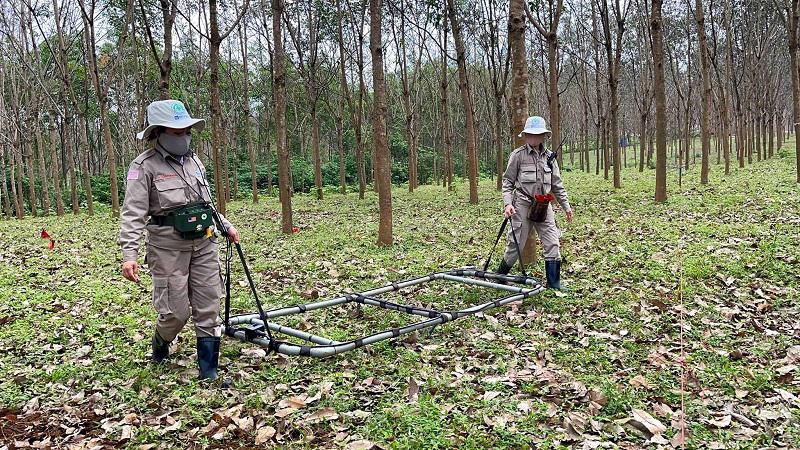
133, 174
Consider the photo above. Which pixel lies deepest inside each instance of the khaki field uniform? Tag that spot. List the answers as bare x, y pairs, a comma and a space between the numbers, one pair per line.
186, 272
528, 173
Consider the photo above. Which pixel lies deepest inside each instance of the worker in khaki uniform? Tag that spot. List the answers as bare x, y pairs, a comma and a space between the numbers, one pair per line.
533, 171
167, 188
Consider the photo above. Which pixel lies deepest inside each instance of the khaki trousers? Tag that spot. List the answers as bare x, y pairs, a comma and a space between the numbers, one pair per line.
521, 226
186, 282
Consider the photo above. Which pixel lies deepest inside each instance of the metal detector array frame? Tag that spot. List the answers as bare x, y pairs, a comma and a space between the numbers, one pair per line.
251, 327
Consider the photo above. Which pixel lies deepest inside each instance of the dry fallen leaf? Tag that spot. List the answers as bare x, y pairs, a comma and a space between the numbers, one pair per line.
264, 434
322, 415
640, 381
174, 426
575, 424
127, 432
413, 390
489, 395
720, 422
362, 444
646, 423
281, 413
245, 424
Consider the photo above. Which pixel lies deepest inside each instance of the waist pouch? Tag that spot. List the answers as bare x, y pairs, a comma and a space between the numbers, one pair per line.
539, 204
191, 221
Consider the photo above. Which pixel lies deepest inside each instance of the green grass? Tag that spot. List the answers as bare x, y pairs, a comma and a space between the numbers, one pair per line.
75, 335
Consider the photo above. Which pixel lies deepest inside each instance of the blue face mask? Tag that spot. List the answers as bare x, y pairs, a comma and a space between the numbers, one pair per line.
177, 145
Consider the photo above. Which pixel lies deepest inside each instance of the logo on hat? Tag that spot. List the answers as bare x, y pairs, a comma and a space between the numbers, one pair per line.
180, 111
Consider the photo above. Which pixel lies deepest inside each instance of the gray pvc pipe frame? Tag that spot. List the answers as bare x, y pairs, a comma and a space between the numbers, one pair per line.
327, 347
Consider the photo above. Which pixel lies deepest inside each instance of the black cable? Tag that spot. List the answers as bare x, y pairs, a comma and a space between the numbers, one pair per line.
506, 221
519, 252
496, 241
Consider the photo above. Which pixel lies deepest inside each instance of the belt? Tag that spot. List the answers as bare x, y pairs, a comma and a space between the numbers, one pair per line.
163, 220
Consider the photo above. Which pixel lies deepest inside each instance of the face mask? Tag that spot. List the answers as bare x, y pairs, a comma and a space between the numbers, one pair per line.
174, 144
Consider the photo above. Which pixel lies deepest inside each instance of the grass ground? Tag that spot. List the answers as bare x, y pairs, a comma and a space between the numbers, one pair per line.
690, 305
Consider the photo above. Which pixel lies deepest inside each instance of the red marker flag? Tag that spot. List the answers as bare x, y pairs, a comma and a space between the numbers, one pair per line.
45, 235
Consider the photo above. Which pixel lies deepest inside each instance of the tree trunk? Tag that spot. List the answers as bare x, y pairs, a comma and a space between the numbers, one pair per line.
469, 108
642, 141
771, 134
613, 56
16, 174
40, 147
554, 101
165, 65
220, 162
87, 175
55, 161
447, 179
705, 72
4, 186
793, 19
279, 87
340, 145
498, 140
344, 96
246, 112
31, 176
660, 100
519, 67
315, 147
69, 150
380, 139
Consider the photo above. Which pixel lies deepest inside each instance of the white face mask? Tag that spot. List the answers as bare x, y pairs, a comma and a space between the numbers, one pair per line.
177, 145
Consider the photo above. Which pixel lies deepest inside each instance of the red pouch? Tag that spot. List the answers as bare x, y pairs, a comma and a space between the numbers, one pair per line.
538, 211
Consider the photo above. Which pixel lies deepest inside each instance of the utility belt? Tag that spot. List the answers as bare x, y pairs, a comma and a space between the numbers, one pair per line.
192, 221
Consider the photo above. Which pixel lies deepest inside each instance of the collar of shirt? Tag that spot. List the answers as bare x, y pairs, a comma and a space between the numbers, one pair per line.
538, 150
166, 154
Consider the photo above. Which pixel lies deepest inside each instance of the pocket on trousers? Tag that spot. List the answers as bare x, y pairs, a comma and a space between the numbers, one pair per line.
161, 295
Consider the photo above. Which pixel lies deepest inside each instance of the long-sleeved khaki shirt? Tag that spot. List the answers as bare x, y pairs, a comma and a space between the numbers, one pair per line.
156, 184
529, 172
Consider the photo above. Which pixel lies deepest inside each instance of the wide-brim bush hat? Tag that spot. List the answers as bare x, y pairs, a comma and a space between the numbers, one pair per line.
170, 114
535, 125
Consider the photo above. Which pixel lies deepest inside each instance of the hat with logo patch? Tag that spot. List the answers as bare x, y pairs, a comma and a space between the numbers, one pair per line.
170, 114
535, 125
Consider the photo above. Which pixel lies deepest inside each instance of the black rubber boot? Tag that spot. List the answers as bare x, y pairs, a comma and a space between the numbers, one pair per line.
160, 349
503, 269
553, 271
208, 357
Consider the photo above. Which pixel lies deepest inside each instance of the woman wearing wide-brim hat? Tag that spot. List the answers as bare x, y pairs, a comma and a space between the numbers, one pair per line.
530, 181
167, 194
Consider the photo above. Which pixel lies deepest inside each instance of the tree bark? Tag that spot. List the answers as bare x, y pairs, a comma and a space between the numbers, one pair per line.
279, 87
550, 35
447, 178
29, 154
519, 67
466, 95
613, 57
101, 90
793, 19
383, 180
660, 100
55, 161
216, 107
